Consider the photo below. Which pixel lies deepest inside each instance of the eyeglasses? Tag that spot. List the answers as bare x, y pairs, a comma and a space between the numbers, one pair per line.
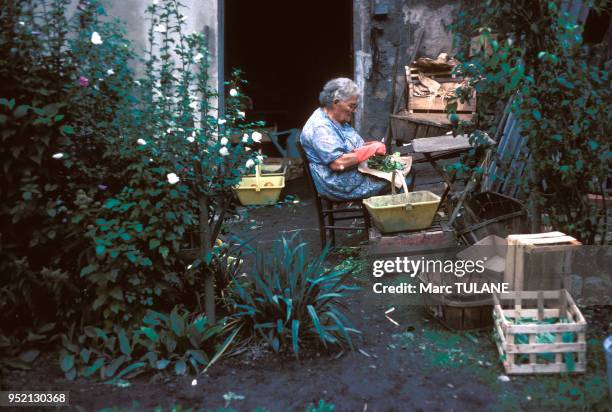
351, 106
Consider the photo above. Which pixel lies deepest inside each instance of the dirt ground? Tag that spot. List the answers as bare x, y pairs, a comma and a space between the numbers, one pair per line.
414, 365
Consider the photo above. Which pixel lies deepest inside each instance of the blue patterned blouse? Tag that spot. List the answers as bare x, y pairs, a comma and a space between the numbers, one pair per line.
324, 141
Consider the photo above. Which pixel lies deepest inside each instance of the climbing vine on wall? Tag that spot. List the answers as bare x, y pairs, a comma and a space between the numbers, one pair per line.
560, 93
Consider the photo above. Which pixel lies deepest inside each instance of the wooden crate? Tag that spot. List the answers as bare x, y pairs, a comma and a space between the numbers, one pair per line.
426, 116
568, 351
436, 104
538, 261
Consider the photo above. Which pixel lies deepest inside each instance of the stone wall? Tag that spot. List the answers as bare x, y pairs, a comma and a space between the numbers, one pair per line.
379, 42
382, 40
201, 16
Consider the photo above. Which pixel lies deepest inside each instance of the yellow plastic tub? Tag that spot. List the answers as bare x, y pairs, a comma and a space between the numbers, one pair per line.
404, 211
273, 168
259, 190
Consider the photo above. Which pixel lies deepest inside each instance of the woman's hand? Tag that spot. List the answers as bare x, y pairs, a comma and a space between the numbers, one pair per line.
365, 152
381, 149
357, 156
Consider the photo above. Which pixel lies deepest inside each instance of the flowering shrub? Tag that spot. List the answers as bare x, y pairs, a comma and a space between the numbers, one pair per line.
109, 173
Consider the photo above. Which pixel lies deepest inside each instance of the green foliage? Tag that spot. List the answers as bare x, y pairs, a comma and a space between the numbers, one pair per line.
322, 406
105, 174
178, 342
385, 163
288, 301
560, 98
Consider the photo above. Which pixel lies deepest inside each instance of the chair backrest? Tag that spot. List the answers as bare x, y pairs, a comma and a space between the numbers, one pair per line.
306, 166
293, 136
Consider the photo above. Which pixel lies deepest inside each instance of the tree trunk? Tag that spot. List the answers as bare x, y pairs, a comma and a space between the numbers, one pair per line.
205, 252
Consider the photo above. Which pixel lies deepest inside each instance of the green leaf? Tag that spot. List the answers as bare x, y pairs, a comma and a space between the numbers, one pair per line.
124, 343
110, 203
71, 374
29, 356
315, 320
85, 355
21, 111
98, 302
537, 115
150, 333
177, 323
199, 356
163, 250
100, 249
67, 362
67, 129
114, 365
130, 368
295, 329
180, 367
162, 364
89, 268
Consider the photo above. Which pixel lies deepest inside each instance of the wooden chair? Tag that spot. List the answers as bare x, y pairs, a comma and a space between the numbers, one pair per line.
331, 210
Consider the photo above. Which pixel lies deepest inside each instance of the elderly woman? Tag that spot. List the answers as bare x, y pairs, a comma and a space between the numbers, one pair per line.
333, 147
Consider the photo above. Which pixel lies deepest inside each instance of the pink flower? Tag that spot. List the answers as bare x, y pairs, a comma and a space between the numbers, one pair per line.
83, 81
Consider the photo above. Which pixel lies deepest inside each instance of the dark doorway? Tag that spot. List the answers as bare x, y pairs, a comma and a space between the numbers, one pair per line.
288, 50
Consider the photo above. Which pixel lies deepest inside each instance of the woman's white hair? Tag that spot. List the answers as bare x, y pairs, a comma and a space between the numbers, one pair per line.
340, 88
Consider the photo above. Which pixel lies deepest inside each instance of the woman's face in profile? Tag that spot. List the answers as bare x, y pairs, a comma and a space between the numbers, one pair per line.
345, 109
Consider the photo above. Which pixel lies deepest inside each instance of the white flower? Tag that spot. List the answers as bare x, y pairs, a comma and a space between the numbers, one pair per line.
141, 142
150, 160
233, 92
21, 23
95, 38
260, 159
172, 178
221, 121
223, 151
194, 382
198, 57
58, 156
224, 141
247, 149
169, 130
110, 72
160, 28
241, 114
136, 82
250, 163
245, 138
193, 105
191, 138
256, 137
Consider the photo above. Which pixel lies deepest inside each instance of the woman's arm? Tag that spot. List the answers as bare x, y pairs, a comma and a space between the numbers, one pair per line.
357, 156
344, 162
